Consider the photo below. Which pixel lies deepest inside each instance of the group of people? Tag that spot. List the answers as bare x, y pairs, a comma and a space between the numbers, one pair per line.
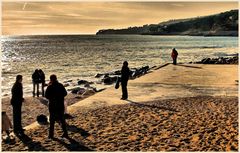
38, 77
55, 93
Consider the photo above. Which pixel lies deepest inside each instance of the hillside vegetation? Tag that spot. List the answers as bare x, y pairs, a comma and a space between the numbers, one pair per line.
223, 24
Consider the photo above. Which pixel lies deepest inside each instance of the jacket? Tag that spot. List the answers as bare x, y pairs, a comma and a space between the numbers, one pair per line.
17, 94
55, 93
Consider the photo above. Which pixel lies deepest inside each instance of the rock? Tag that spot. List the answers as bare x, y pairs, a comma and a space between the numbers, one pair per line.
219, 60
88, 92
98, 75
206, 60
74, 90
117, 72
67, 81
110, 80
81, 91
66, 85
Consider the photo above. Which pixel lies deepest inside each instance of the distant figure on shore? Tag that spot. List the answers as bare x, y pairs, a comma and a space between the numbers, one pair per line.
124, 80
6, 124
55, 93
16, 102
174, 56
42, 80
36, 80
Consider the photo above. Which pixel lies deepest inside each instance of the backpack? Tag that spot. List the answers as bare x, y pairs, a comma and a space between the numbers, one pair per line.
42, 119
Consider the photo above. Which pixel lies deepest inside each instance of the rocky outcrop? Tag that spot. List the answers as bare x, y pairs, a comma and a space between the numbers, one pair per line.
219, 60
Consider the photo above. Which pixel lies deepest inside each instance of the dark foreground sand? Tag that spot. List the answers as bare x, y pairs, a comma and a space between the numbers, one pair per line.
183, 124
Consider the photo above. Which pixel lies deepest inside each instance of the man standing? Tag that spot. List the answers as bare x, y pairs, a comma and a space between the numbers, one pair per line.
124, 80
36, 80
55, 93
174, 56
42, 80
16, 102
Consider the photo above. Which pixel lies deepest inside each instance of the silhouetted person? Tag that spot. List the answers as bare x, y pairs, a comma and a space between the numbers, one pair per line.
55, 93
36, 80
174, 56
124, 80
16, 102
42, 80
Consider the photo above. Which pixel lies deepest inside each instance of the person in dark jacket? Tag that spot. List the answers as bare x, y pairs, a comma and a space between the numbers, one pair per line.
55, 93
36, 80
124, 80
174, 56
42, 80
16, 102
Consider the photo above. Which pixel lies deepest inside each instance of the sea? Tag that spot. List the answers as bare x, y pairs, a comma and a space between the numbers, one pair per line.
81, 57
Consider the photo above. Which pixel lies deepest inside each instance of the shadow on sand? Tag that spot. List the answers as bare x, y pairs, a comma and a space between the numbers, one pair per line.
32, 145
76, 129
189, 66
151, 106
73, 145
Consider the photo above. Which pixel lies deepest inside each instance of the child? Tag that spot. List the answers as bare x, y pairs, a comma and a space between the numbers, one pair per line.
6, 124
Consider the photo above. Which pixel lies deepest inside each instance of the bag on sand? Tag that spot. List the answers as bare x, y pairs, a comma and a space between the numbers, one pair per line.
42, 119
117, 83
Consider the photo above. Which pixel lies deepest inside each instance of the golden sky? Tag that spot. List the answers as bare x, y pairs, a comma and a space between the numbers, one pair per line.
89, 17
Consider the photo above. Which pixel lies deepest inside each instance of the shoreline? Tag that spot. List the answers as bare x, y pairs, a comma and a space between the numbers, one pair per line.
191, 113
77, 94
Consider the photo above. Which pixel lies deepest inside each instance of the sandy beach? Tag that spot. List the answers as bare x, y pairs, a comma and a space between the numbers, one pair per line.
34, 106
191, 113
185, 124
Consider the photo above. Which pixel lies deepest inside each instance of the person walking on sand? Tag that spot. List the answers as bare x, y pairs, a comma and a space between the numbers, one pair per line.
55, 93
174, 56
36, 80
42, 80
124, 80
16, 102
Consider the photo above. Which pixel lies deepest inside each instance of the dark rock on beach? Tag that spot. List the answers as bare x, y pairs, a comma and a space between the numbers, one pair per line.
109, 80
219, 60
111, 77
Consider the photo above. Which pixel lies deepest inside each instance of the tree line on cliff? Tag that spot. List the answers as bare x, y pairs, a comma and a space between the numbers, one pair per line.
222, 24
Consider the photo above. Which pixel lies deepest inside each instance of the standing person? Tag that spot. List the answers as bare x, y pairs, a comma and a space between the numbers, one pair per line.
16, 102
174, 56
36, 81
124, 80
42, 78
55, 93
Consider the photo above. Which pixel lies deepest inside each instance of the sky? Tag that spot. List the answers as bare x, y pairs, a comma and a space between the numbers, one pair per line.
34, 18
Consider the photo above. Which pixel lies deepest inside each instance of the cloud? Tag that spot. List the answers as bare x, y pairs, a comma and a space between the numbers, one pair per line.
24, 6
177, 5
89, 16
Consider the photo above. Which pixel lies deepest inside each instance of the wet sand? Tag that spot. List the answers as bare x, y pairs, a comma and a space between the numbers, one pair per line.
183, 124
